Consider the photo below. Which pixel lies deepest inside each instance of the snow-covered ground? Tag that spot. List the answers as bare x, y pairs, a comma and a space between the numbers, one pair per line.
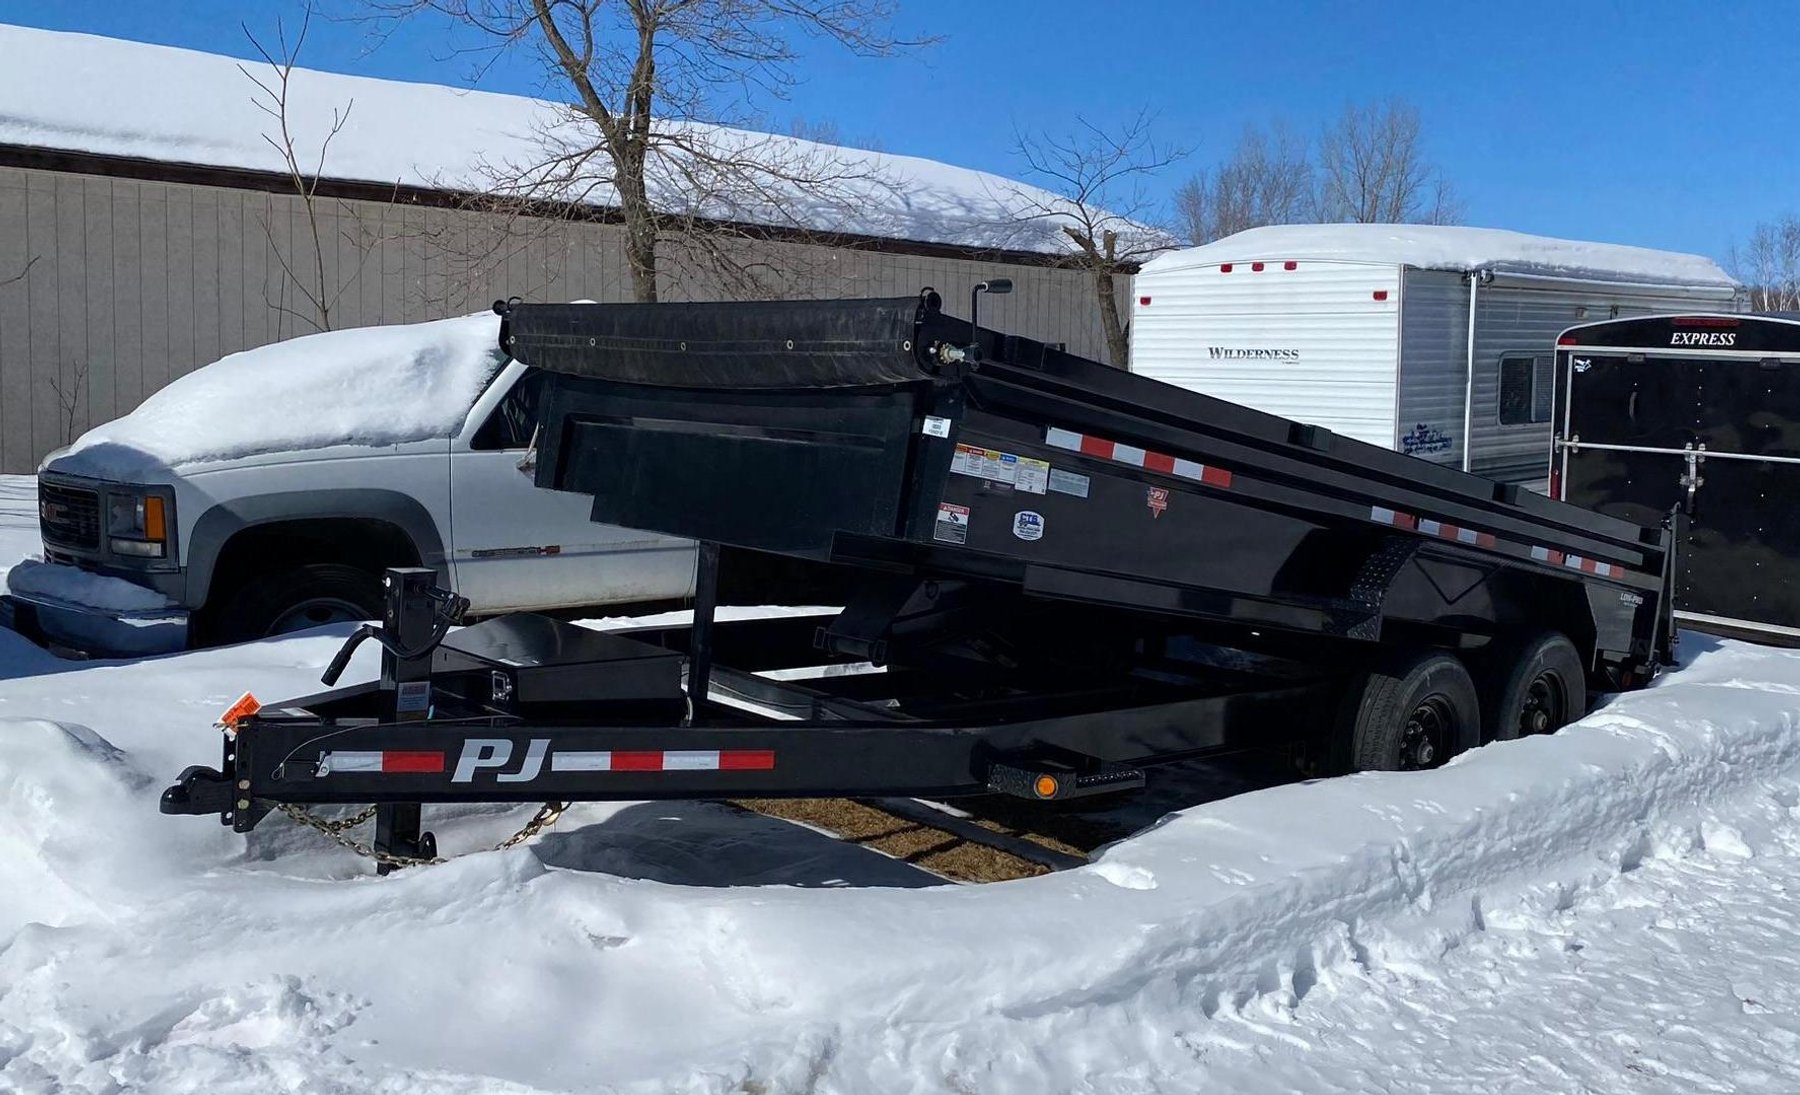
1609, 910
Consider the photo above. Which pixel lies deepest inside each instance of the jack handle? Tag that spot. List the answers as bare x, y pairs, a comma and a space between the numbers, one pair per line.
450, 609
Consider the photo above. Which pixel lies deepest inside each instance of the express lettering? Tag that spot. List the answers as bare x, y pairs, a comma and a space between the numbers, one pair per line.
1703, 338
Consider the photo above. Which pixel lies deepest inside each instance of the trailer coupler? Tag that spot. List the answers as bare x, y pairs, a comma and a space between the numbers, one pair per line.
200, 791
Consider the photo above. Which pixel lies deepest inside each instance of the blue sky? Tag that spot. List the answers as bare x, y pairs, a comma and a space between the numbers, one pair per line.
1649, 122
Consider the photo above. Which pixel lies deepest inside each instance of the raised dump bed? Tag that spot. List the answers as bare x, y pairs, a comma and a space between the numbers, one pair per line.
877, 434
1056, 572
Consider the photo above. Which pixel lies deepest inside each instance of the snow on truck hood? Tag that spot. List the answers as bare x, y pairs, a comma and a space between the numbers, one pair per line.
363, 386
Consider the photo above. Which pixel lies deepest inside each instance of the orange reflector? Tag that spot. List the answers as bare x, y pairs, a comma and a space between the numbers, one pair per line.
245, 706
154, 528
1045, 787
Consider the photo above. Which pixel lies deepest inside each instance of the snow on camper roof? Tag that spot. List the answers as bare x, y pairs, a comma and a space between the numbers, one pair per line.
1441, 247
84, 93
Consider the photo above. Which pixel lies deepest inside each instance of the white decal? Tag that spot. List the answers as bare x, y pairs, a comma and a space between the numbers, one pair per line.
1028, 525
481, 753
534, 763
494, 753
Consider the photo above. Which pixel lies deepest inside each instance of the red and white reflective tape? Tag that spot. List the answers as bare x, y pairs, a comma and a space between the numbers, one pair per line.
386, 762
1384, 516
664, 760
1118, 452
1547, 555
416, 762
1456, 533
1594, 566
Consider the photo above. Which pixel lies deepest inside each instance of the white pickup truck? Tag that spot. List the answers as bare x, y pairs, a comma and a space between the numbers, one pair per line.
266, 492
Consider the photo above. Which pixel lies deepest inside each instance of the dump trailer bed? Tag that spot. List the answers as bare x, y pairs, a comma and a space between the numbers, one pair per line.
882, 435
1054, 575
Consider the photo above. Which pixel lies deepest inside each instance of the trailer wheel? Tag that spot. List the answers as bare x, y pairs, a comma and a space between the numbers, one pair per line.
1411, 713
1544, 689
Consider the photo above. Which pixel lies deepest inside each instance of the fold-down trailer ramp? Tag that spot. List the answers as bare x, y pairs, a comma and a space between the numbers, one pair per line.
1054, 574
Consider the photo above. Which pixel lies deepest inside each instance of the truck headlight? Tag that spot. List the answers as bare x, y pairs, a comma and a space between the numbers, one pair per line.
138, 524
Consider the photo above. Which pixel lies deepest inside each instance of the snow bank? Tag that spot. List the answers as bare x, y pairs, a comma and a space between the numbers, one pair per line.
174, 961
35, 578
91, 94
1441, 247
364, 386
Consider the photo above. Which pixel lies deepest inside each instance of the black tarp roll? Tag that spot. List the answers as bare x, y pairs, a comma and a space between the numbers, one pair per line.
755, 344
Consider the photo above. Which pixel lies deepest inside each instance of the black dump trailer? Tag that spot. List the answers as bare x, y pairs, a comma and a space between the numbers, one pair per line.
1699, 415
1054, 573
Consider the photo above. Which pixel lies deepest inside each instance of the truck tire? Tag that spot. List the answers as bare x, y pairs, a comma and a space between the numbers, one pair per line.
1412, 712
306, 596
1539, 688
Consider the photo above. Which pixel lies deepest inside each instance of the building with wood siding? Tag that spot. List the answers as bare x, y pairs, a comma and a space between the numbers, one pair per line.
135, 251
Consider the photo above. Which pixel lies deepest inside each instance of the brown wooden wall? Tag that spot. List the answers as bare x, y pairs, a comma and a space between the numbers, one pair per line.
136, 282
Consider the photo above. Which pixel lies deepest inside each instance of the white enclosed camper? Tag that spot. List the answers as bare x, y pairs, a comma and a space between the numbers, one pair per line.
1414, 337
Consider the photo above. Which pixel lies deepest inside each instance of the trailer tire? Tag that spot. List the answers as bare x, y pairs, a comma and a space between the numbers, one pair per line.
1412, 712
1539, 689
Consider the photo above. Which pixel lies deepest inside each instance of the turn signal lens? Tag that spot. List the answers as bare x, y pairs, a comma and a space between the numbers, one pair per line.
154, 528
1045, 787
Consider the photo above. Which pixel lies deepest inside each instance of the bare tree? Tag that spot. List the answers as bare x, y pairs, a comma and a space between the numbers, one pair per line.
1269, 179
1372, 170
1770, 264
303, 268
644, 79
24, 272
69, 385
1097, 193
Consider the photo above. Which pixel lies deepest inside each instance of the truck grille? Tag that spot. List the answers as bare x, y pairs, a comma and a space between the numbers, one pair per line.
69, 515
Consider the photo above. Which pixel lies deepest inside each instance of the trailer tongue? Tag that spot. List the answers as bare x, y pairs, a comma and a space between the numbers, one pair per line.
1057, 574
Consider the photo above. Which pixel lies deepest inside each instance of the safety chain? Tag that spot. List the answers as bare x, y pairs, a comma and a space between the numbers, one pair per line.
546, 816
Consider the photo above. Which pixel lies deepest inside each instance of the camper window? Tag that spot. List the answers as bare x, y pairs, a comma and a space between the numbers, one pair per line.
1526, 383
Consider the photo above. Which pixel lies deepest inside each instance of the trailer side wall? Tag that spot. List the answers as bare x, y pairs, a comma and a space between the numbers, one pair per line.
1318, 343
1516, 324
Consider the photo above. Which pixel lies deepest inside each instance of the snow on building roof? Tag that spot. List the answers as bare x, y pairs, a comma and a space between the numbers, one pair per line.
1441, 247
85, 93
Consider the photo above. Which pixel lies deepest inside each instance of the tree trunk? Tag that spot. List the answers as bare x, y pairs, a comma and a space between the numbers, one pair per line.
1117, 346
640, 236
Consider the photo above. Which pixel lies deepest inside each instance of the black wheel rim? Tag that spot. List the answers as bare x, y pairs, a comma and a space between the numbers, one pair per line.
1429, 730
1544, 707
314, 613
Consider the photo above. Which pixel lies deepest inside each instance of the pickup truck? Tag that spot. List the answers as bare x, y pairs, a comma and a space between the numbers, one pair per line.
268, 491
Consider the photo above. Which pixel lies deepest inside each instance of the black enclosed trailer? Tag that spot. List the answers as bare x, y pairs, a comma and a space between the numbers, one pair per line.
1699, 414
1057, 573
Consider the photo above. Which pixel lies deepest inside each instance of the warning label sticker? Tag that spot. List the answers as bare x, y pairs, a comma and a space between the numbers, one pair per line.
1019, 472
952, 524
1067, 482
1032, 476
1001, 467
